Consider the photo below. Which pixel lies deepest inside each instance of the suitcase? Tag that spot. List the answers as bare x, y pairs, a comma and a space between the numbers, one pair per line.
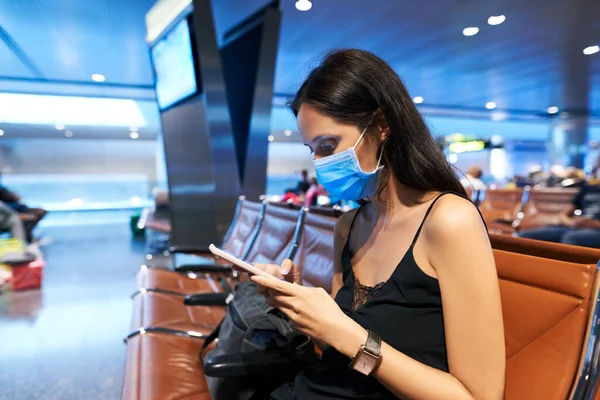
27, 276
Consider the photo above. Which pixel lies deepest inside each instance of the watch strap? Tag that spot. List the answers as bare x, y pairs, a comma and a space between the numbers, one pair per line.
373, 343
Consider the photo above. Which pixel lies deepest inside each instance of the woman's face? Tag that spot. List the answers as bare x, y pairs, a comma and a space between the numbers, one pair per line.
324, 137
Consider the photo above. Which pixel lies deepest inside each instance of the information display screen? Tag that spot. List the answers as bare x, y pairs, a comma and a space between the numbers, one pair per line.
173, 62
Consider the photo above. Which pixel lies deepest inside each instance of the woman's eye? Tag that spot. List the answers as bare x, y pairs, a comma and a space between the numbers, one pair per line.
327, 148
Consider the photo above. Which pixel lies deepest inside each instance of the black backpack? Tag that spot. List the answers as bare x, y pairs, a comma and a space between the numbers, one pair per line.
251, 326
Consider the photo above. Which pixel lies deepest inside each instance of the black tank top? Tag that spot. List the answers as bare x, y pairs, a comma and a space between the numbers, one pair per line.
405, 311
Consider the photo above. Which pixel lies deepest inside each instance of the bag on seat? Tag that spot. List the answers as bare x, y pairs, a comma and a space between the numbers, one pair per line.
251, 326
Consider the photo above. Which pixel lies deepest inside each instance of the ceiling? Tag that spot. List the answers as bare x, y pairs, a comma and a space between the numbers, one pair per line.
530, 62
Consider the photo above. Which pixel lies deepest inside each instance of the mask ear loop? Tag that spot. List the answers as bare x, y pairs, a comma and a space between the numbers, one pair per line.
379, 159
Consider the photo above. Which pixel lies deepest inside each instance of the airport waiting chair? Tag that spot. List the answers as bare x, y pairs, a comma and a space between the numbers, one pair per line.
550, 309
161, 309
312, 247
544, 207
500, 208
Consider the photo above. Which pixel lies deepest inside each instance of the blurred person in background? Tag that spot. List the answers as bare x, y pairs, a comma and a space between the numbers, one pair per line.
314, 191
30, 216
472, 179
579, 225
10, 222
304, 184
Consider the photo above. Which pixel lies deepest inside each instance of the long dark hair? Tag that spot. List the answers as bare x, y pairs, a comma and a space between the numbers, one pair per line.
351, 86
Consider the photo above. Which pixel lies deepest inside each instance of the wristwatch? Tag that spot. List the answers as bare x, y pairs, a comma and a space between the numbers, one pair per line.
368, 357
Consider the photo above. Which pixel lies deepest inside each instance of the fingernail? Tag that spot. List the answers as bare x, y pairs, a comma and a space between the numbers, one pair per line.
255, 279
283, 271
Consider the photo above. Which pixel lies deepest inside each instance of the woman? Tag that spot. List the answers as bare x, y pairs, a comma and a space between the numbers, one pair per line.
417, 306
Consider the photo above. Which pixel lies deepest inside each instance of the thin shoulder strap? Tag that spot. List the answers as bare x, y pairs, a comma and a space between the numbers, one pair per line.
426, 215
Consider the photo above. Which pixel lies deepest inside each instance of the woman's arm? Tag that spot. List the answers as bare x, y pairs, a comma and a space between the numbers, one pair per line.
459, 250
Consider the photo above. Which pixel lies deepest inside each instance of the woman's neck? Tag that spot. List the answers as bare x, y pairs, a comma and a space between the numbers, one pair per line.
396, 198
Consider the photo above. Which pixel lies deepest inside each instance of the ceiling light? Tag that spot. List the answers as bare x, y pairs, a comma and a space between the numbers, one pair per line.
588, 51
98, 78
490, 105
453, 158
287, 132
303, 5
271, 138
134, 135
68, 134
418, 99
59, 127
1, 132
133, 128
496, 19
552, 110
471, 31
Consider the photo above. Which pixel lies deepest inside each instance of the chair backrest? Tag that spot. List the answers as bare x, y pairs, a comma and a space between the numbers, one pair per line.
546, 306
244, 227
277, 235
315, 250
544, 207
500, 204
537, 248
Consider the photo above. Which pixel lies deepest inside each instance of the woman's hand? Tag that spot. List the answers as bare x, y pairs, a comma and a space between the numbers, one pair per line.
315, 313
287, 271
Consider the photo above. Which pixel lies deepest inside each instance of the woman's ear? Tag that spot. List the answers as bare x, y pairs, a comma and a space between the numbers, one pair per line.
383, 126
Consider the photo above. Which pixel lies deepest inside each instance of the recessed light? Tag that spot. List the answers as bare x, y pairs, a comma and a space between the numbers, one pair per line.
68, 134
588, 51
287, 132
552, 110
471, 31
134, 135
490, 105
418, 99
303, 5
98, 78
453, 158
496, 19
59, 127
271, 138
1, 132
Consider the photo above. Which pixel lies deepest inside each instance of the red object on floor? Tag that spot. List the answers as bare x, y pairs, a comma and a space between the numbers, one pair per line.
27, 276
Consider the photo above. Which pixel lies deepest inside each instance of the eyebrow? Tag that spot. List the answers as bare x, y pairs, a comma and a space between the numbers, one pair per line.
321, 136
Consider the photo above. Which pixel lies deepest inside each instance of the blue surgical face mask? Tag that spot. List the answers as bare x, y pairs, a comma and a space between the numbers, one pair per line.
341, 175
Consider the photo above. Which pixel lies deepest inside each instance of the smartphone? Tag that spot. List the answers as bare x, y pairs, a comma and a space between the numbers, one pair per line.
246, 266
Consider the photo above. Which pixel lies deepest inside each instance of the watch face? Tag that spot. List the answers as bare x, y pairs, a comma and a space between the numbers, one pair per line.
365, 362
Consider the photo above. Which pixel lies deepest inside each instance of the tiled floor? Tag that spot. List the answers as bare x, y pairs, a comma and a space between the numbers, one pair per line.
65, 341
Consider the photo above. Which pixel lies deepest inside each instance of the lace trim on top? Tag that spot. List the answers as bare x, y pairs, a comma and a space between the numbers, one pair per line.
362, 293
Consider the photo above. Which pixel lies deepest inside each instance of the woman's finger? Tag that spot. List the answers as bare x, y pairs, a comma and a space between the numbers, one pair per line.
287, 288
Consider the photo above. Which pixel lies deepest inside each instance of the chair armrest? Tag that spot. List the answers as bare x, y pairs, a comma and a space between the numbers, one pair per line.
503, 221
265, 363
203, 268
189, 250
206, 299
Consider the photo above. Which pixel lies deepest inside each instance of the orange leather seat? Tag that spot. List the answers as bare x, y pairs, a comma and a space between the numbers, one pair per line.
546, 306
544, 207
554, 251
500, 208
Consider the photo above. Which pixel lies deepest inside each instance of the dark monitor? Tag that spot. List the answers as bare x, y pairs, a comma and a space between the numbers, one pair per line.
174, 67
